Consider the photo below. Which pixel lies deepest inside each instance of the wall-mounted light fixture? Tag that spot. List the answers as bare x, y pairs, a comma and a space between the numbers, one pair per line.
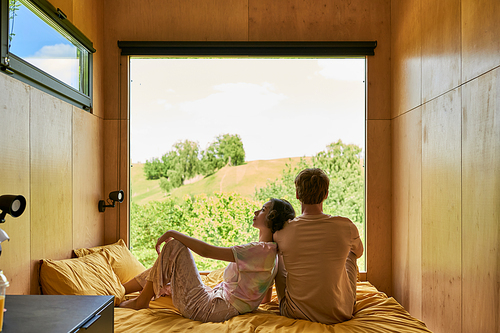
114, 197
13, 205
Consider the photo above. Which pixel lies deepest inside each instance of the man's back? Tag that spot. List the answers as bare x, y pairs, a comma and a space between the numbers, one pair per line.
315, 249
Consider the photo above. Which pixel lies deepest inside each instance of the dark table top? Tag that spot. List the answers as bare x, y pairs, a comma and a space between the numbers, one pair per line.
50, 313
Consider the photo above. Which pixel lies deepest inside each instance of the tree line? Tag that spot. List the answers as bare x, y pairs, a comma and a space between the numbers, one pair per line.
186, 160
225, 219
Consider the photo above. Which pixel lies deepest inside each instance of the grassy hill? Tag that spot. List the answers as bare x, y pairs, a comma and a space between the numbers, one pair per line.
241, 179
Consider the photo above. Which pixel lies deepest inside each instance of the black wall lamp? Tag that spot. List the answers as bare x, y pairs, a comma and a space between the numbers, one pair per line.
13, 205
114, 197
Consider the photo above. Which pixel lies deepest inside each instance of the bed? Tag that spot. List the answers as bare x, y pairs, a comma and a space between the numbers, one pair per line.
102, 270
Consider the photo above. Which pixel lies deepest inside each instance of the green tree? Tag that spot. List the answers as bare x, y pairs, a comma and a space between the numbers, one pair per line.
185, 160
153, 169
181, 163
343, 165
226, 149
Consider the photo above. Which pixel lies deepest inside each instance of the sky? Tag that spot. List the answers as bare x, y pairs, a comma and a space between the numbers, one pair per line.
279, 107
41, 45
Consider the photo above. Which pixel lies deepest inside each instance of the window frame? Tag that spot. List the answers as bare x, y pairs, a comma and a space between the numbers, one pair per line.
22, 70
257, 49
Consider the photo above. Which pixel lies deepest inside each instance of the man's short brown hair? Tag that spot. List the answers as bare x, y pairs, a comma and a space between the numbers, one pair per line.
312, 186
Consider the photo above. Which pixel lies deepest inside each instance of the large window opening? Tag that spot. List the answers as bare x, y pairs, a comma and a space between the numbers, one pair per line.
212, 139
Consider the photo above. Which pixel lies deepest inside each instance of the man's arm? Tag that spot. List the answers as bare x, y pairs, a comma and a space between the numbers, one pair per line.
280, 279
203, 249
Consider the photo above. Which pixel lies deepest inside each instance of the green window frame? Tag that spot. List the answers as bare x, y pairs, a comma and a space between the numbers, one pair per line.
31, 70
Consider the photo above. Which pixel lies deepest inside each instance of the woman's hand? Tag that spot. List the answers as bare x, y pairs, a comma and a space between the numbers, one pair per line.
164, 238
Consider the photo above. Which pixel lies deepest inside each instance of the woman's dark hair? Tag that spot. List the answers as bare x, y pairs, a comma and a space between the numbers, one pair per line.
280, 212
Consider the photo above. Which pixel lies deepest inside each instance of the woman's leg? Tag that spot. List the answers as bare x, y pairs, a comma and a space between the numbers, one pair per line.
142, 301
175, 270
132, 286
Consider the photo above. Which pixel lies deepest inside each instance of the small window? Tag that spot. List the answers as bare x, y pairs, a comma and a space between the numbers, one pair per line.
41, 47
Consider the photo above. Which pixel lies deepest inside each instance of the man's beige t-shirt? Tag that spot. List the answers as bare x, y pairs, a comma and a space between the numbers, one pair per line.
314, 250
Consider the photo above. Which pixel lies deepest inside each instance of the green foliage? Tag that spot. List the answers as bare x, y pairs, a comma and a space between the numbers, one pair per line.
177, 165
221, 220
153, 169
342, 163
13, 8
226, 149
185, 161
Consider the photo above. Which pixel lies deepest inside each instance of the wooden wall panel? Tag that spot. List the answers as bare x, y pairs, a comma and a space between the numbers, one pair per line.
111, 178
15, 179
406, 210
66, 6
441, 60
481, 204
195, 20
117, 180
316, 21
378, 197
51, 180
480, 42
88, 179
441, 213
406, 60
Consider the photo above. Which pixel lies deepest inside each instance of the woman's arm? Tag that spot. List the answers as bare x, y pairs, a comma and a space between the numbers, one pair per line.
267, 295
198, 246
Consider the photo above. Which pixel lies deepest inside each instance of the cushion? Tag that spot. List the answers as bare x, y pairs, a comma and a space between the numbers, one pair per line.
89, 275
125, 265
213, 278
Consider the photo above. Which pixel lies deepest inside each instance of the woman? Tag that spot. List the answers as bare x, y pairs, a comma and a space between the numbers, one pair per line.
247, 279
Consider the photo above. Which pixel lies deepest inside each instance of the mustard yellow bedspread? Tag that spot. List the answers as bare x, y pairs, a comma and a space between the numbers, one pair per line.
374, 312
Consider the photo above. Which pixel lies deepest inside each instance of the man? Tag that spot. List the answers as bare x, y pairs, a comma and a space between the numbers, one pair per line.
317, 268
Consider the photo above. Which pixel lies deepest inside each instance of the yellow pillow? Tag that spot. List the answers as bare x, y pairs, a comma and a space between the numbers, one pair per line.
89, 275
125, 265
213, 278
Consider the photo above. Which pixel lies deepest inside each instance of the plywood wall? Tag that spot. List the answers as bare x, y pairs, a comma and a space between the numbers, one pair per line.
260, 20
51, 153
446, 149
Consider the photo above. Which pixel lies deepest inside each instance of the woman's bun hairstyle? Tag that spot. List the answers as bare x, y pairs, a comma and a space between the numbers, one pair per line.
281, 211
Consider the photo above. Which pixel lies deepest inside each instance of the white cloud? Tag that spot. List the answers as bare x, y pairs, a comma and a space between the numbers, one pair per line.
163, 102
231, 97
343, 70
65, 70
56, 51
58, 60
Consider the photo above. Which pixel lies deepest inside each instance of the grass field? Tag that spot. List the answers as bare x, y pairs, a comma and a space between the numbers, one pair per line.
242, 179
